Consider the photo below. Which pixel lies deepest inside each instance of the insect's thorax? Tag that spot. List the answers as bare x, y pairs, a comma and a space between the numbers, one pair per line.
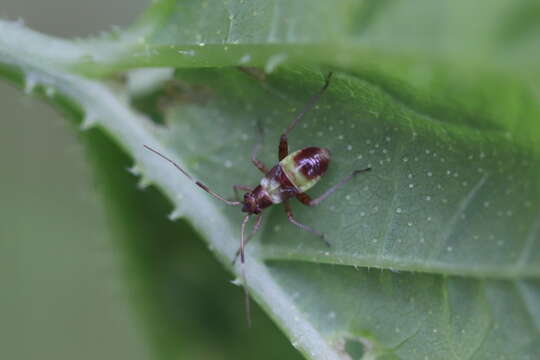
296, 173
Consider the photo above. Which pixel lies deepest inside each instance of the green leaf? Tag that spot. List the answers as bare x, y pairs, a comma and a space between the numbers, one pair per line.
436, 252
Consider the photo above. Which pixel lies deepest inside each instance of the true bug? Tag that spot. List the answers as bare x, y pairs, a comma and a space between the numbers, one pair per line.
291, 177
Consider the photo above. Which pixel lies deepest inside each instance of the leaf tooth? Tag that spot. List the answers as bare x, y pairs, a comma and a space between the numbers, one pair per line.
144, 182
50, 91
135, 170
90, 120
237, 281
30, 82
176, 214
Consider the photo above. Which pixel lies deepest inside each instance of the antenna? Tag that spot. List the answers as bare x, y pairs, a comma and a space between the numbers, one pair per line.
197, 182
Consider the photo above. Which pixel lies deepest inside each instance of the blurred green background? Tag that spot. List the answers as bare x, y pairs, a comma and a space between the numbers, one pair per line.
80, 281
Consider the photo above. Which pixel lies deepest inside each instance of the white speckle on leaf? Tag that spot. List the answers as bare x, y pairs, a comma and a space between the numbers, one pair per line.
187, 52
331, 315
228, 163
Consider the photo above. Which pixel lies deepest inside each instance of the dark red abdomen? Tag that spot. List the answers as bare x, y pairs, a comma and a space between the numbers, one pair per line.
304, 167
312, 161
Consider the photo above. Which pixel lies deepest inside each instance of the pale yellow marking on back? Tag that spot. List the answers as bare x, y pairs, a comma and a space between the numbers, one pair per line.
272, 187
298, 179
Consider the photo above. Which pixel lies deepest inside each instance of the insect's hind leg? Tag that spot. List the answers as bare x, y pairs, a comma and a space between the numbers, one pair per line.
307, 200
293, 221
283, 140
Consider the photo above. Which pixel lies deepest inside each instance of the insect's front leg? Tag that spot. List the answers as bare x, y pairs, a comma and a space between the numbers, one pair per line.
258, 164
283, 147
238, 188
256, 228
283, 140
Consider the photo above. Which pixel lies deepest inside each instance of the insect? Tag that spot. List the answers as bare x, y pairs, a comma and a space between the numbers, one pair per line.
295, 173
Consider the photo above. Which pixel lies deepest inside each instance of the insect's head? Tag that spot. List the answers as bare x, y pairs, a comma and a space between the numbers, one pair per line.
256, 201
250, 203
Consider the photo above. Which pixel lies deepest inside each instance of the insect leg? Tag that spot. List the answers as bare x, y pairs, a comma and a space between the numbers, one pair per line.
283, 147
283, 140
291, 218
256, 228
306, 199
237, 188
258, 164
242, 238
